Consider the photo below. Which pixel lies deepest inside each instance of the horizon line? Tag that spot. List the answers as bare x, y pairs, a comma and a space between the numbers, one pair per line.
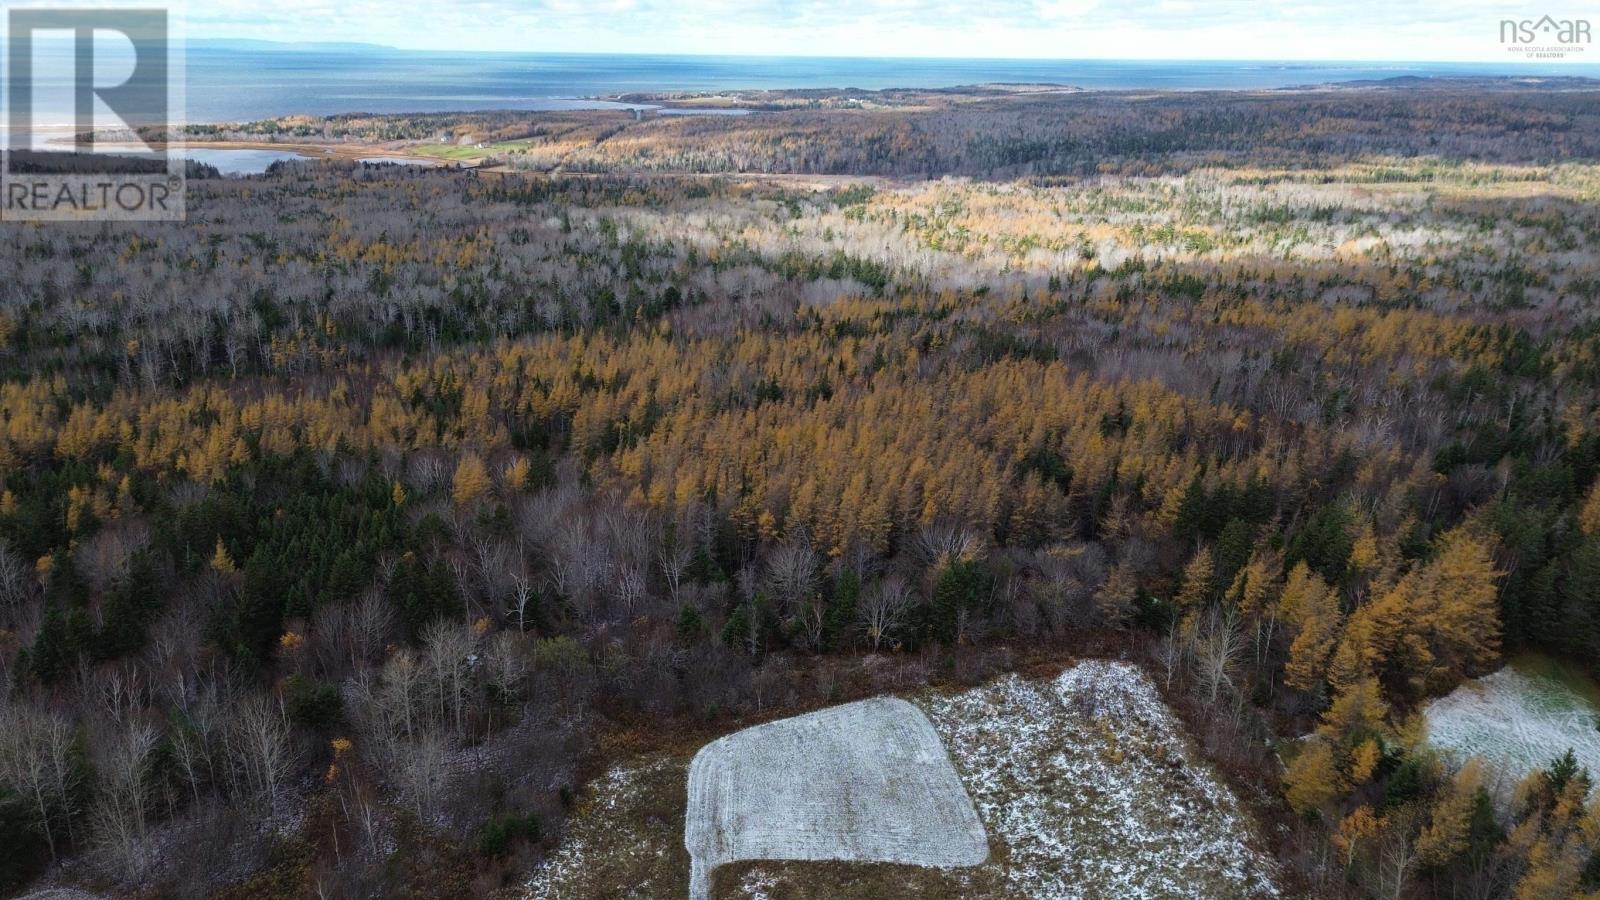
1278, 60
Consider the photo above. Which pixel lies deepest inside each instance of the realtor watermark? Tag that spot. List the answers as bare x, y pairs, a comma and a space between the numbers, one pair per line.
92, 98
1546, 37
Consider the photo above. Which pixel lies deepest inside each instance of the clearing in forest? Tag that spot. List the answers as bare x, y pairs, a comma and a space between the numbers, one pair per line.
1086, 786
1519, 719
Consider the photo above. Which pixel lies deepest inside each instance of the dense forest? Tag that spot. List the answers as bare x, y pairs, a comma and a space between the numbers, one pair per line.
1005, 132
348, 527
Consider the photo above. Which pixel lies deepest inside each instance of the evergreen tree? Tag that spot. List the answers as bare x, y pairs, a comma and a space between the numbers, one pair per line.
956, 592
1325, 543
254, 621
1231, 554
130, 609
841, 615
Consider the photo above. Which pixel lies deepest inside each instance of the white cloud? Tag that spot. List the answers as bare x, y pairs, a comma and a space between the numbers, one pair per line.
1065, 9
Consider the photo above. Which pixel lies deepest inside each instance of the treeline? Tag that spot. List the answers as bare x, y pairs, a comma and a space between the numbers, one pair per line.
1003, 134
1098, 133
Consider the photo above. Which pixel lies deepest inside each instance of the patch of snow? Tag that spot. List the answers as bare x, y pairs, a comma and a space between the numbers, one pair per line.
1515, 721
601, 831
1094, 791
758, 886
867, 781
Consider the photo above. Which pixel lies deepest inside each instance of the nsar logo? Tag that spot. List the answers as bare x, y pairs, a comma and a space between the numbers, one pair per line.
1546, 37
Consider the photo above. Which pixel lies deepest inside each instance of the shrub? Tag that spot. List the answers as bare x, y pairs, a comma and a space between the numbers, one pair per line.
25, 851
497, 835
312, 703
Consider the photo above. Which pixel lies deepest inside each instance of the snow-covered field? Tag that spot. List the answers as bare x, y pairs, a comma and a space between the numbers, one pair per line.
1086, 785
1518, 719
1091, 785
865, 782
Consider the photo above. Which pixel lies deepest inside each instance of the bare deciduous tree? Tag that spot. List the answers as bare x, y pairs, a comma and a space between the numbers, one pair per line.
36, 749
446, 648
105, 556
416, 767
792, 572
118, 692
1395, 853
522, 597
948, 540
190, 740
1217, 649
496, 565
505, 664
400, 696
812, 615
370, 622
1173, 651
124, 791
17, 579
630, 589
260, 750
884, 608
674, 559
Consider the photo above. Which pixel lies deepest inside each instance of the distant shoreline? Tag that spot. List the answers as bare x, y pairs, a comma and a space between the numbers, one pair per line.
752, 97
322, 82
472, 139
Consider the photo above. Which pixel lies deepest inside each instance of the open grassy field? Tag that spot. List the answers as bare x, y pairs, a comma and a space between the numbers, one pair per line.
465, 152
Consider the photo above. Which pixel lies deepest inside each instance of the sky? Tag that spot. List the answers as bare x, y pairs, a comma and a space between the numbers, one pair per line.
1408, 30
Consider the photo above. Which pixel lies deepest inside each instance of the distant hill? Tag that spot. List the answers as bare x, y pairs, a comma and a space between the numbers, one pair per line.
1463, 82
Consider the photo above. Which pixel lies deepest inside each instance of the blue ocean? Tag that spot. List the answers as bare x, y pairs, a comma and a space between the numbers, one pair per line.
233, 82
240, 81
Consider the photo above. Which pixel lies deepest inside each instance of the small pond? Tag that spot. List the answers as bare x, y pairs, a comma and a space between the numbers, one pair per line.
244, 161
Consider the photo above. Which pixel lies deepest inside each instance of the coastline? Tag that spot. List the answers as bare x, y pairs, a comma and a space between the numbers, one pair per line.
352, 152
481, 149
348, 151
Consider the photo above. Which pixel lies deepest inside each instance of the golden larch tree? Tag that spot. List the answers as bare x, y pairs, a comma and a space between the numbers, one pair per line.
471, 482
1312, 610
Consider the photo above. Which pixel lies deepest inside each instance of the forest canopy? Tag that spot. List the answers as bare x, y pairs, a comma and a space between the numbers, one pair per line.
347, 528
